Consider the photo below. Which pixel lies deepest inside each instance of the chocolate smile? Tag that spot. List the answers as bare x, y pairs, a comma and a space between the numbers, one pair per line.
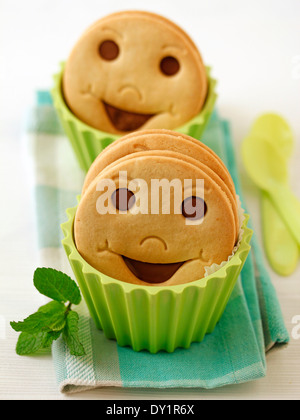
124, 120
152, 273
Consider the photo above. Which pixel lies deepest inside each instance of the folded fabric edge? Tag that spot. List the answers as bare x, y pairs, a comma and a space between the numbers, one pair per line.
72, 386
275, 331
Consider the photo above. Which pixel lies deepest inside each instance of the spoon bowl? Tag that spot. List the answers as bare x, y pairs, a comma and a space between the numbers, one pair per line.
263, 162
274, 128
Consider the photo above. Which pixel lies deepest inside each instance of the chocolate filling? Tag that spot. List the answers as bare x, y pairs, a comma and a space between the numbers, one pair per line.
152, 273
169, 66
124, 120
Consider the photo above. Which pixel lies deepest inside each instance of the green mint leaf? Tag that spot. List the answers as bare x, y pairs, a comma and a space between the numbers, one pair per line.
39, 330
56, 285
33, 324
56, 312
70, 335
29, 343
41, 322
57, 322
52, 307
50, 337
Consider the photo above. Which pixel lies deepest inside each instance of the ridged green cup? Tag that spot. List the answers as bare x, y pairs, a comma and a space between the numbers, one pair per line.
88, 142
160, 317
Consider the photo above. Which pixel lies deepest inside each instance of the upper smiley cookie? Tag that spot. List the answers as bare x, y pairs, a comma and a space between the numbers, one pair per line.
134, 70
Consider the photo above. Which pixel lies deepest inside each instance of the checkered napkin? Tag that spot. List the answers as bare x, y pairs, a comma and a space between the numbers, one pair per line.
234, 353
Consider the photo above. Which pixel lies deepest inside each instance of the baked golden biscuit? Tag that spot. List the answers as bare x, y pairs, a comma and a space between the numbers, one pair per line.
174, 134
134, 70
154, 249
159, 140
166, 140
192, 161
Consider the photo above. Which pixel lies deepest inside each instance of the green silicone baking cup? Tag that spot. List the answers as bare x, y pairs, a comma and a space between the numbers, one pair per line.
160, 317
88, 142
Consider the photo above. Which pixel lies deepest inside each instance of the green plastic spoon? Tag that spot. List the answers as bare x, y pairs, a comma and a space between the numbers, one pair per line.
281, 248
268, 169
274, 128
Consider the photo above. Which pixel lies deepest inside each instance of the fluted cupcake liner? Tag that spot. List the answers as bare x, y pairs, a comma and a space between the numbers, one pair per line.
159, 317
88, 142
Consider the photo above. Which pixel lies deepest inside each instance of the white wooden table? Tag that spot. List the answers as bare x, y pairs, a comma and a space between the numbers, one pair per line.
255, 53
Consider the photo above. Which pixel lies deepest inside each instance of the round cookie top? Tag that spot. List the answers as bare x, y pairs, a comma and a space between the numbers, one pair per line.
159, 140
132, 245
134, 70
184, 157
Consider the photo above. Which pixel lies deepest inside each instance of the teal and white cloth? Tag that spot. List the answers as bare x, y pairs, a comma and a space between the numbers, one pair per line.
234, 353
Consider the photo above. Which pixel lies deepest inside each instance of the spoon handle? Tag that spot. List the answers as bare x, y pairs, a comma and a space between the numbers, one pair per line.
281, 248
288, 206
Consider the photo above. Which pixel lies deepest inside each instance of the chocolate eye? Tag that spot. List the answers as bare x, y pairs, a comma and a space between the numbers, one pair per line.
123, 199
193, 208
169, 66
109, 50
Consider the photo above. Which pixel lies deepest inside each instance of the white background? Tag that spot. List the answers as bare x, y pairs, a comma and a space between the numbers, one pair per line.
254, 49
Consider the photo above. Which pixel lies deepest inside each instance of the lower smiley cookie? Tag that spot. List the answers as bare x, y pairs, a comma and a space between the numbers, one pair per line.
154, 249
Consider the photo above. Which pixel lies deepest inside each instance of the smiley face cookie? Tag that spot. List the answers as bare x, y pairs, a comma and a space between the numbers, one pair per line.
167, 141
155, 248
134, 70
193, 161
159, 139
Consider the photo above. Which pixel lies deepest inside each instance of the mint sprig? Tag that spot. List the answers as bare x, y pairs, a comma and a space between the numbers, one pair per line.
56, 318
